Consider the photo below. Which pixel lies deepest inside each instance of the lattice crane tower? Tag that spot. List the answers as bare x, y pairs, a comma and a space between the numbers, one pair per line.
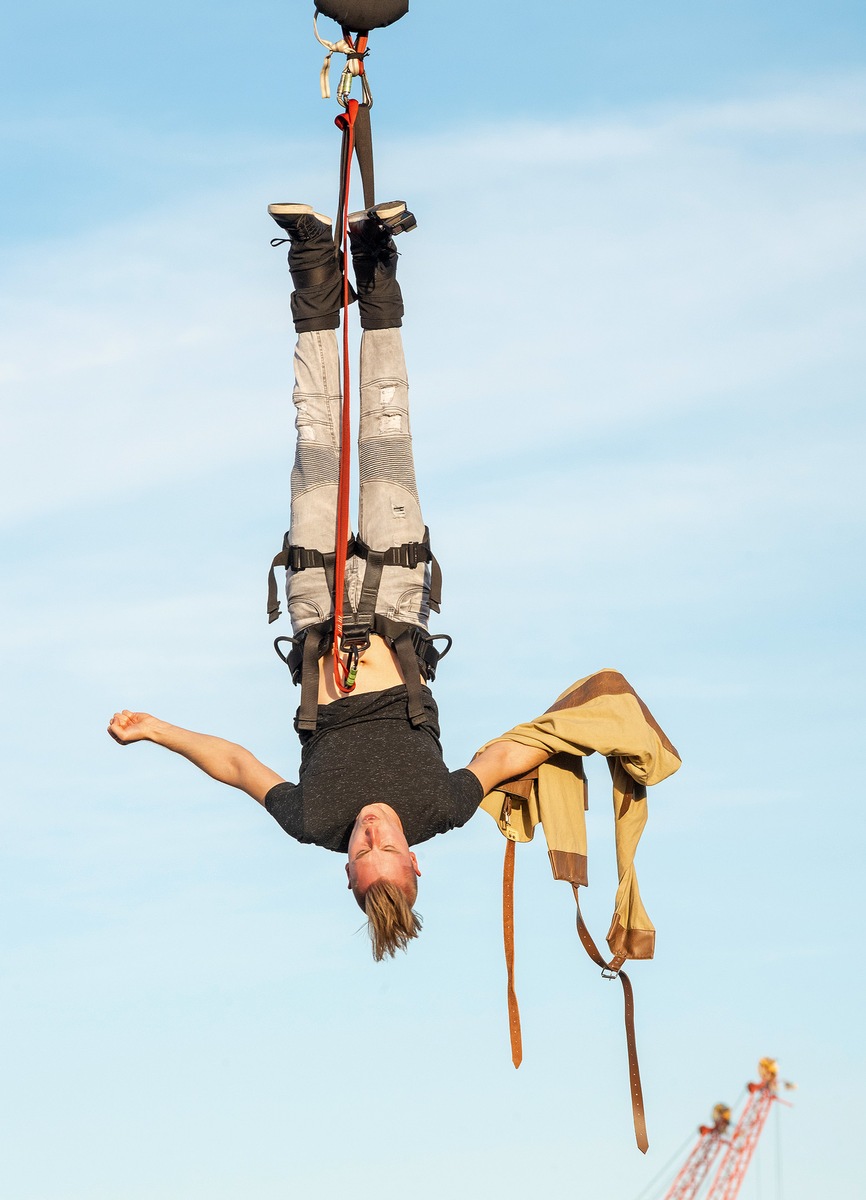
711, 1139
735, 1150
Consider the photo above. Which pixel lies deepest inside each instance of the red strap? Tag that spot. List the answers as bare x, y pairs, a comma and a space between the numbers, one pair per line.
345, 122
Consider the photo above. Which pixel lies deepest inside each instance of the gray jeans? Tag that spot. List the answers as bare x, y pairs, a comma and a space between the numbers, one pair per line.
389, 512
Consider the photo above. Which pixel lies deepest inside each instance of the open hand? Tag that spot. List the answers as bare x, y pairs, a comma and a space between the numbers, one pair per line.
126, 727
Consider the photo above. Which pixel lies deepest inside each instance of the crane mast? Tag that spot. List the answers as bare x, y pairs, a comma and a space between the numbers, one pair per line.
732, 1169
731, 1150
711, 1139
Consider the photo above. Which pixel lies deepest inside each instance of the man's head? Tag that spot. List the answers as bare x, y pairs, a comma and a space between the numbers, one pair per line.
383, 875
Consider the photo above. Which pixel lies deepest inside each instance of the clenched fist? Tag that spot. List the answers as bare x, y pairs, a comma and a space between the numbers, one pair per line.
126, 727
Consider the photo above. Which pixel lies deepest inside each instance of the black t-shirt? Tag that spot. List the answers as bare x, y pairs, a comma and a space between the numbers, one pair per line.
365, 751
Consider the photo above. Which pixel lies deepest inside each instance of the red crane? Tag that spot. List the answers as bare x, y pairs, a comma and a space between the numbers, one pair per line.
744, 1139
694, 1170
732, 1150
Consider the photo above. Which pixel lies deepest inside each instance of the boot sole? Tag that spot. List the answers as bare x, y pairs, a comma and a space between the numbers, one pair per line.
297, 210
393, 214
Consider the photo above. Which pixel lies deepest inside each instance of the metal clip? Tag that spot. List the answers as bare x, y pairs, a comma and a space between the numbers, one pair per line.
354, 66
355, 639
345, 87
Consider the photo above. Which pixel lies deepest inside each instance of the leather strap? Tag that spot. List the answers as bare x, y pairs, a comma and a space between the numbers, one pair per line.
609, 970
508, 934
614, 967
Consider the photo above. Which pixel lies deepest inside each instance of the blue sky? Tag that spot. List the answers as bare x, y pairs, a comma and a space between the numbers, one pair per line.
635, 310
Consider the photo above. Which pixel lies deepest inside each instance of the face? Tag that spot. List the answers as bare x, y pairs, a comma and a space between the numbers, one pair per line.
378, 850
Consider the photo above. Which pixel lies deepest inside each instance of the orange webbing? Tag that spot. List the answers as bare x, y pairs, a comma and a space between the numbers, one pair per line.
508, 933
346, 122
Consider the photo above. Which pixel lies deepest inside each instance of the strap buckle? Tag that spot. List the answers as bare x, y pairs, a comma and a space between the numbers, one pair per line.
293, 658
297, 557
413, 553
426, 650
612, 969
355, 639
300, 558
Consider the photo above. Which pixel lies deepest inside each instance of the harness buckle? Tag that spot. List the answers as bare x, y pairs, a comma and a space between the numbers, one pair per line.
300, 558
293, 658
413, 553
355, 639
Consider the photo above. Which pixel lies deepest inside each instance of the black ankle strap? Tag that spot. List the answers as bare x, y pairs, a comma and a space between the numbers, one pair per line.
314, 277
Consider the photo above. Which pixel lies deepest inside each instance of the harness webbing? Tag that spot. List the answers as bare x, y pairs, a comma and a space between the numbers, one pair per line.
300, 558
348, 632
343, 672
354, 123
364, 154
415, 648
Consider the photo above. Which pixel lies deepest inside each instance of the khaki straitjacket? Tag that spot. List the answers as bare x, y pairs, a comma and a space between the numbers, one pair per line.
600, 714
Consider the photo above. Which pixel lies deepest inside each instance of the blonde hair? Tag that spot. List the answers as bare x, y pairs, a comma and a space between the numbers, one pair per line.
391, 920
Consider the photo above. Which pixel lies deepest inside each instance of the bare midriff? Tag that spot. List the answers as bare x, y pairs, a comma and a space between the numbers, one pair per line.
378, 669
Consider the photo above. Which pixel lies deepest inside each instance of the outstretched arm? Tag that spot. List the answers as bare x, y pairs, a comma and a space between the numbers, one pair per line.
221, 760
505, 760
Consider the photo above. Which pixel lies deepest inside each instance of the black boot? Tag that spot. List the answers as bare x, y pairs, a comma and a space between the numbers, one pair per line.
315, 266
374, 257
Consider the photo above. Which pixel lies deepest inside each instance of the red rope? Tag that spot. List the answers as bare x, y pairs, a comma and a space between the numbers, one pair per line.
345, 122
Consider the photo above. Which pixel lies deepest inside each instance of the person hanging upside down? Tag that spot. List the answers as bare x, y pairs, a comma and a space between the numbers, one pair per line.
372, 779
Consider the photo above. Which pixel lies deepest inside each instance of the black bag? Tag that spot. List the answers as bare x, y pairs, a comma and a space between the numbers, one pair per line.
363, 14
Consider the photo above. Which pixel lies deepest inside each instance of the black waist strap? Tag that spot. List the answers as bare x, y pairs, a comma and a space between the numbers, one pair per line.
299, 558
415, 649
410, 554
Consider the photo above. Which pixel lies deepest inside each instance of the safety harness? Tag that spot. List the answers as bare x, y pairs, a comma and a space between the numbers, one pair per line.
415, 648
348, 632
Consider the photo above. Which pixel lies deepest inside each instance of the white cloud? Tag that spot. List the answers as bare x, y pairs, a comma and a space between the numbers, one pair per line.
599, 276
